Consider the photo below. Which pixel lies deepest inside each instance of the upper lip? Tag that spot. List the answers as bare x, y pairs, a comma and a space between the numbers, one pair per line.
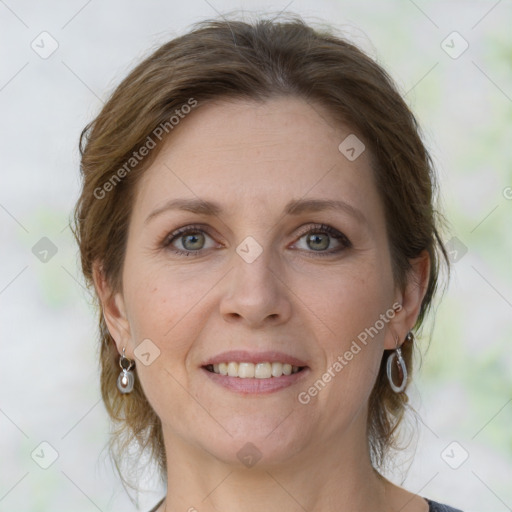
244, 356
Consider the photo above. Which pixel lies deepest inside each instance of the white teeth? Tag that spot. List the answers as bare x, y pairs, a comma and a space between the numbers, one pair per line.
245, 370
250, 370
277, 369
263, 370
232, 369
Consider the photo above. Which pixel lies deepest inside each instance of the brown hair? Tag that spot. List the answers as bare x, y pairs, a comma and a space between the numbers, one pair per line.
259, 60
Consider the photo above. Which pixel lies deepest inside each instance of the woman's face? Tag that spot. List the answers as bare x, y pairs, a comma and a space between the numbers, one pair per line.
264, 268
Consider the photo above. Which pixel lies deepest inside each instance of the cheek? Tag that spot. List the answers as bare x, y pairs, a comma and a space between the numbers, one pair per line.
168, 307
349, 310
350, 301
166, 314
159, 297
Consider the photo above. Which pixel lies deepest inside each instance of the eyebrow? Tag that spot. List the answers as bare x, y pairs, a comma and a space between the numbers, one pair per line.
294, 207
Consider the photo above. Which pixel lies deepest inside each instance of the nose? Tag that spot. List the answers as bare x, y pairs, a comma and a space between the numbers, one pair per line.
256, 292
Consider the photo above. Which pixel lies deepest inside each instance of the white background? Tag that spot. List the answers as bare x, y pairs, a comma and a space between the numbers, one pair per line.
49, 385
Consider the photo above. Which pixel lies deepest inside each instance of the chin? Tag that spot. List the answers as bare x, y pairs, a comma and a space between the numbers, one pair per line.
256, 446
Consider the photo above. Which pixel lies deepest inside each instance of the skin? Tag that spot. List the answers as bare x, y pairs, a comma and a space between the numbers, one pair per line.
314, 457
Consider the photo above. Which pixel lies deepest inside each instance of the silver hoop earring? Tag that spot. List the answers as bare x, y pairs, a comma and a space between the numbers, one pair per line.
402, 368
126, 379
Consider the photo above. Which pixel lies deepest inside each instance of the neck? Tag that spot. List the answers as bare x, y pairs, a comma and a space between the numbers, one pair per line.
332, 476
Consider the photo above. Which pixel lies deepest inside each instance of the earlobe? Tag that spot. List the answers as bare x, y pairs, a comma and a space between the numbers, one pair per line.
411, 299
113, 308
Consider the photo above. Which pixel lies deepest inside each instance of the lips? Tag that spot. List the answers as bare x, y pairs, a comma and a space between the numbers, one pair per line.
255, 373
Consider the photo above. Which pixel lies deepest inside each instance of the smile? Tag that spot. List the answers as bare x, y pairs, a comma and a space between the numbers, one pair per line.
255, 378
262, 370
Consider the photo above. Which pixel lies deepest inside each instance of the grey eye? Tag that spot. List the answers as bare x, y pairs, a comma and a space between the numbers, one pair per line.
193, 241
318, 241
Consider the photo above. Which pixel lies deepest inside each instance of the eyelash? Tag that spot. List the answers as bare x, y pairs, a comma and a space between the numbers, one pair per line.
316, 228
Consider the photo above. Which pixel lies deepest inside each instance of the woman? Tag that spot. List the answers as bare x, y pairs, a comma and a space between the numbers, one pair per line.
257, 220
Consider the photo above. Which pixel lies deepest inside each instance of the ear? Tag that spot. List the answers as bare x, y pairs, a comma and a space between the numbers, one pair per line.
410, 300
114, 311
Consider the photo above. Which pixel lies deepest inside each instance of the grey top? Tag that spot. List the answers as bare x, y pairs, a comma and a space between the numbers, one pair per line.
433, 506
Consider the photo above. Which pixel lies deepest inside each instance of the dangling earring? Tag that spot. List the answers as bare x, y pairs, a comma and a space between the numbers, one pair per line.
402, 369
126, 380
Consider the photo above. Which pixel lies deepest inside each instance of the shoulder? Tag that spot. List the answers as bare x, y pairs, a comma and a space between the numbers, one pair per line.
155, 508
433, 506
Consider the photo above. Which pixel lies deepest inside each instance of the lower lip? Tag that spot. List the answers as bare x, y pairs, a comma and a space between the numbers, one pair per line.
256, 386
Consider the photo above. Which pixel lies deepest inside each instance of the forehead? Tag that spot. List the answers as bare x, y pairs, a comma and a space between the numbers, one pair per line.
247, 153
